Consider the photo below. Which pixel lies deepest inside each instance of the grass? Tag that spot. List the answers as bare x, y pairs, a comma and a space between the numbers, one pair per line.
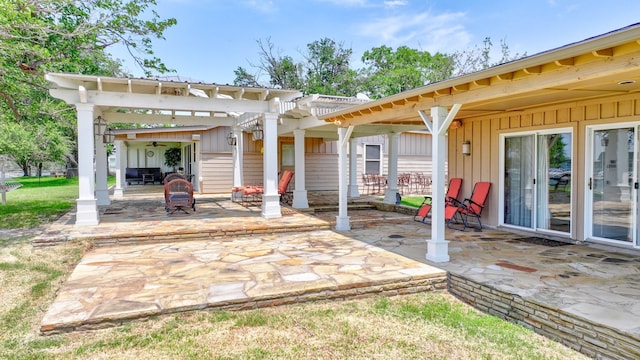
38, 201
412, 200
424, 326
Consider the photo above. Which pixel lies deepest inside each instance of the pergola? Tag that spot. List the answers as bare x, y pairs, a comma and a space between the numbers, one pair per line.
146, 101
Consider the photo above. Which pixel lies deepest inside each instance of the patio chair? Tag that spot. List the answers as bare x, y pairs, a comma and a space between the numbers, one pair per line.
468, 208
178, 195
253, 193
173, 176
450, 198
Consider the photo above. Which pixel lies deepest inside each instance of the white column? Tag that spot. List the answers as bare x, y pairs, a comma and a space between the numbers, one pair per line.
120, 148
270, 197
237, 157
87, 208
300, 200
102, 189
392, 177
437, 246
195, 165
342, 220
353, 168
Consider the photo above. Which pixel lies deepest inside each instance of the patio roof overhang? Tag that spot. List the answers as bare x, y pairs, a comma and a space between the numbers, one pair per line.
602, 66
156, 101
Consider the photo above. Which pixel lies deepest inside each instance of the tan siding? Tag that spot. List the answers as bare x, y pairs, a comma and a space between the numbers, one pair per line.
608, 110
321, 172
216, 173
625, 108
252, 170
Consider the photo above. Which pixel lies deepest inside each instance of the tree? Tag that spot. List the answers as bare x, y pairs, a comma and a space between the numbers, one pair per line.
479, 58
389, 72
38, 36
327, 69
283, 71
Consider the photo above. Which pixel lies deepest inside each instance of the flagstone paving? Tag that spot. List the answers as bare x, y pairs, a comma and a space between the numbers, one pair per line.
383, 253
113, 284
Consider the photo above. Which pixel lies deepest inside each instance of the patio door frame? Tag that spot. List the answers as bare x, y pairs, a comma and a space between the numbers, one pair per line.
534, 196
588, 195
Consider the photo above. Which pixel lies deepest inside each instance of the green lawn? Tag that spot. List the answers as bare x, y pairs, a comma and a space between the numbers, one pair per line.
39, 200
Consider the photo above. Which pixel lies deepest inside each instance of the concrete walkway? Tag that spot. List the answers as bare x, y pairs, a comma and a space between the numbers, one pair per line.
242, 261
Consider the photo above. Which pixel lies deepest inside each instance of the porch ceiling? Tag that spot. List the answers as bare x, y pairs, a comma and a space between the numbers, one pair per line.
604, 66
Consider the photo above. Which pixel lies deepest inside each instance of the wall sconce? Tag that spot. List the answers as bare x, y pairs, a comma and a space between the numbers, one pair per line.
109, 137
231, 139
257, 133
466, 148
455, 124
99, 126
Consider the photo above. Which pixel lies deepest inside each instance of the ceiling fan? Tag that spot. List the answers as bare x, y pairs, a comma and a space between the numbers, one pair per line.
155, 144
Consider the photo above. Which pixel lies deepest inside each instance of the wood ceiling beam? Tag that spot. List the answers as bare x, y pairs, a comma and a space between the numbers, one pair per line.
566, 62
482, 82
533, 70
603, 52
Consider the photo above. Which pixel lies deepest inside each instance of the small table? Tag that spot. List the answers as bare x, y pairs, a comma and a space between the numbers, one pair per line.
147, 178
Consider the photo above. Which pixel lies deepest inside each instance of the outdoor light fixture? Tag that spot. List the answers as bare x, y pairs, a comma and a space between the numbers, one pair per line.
455, 124
99, 126
257, 133
466, 148
109, 137
231, 139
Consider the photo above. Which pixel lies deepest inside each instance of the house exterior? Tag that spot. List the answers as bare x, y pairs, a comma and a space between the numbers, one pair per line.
208, 157
555, 133
229, 136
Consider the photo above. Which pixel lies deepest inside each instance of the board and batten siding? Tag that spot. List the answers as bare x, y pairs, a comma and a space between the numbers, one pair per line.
484, 134
216, 171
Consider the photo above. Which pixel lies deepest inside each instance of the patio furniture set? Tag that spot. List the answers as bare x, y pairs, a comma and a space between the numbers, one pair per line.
408, 183
466, 212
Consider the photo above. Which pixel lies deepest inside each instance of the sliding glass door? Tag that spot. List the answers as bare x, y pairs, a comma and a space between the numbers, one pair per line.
537, 181
612, 188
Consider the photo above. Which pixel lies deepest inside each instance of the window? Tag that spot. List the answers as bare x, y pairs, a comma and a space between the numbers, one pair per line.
373, 159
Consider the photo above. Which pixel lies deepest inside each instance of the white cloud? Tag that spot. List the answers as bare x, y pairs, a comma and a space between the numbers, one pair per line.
348, 3
261, 6
426, 31
395, 3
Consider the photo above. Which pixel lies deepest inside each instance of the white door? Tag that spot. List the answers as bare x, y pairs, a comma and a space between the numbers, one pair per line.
537, 181
612, 184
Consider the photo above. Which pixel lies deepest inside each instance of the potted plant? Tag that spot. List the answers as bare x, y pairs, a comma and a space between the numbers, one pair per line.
172, 157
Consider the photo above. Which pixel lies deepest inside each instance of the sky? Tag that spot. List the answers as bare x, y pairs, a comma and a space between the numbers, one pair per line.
214, 37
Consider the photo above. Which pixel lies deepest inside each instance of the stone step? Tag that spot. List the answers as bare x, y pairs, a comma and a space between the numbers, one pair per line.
350, 207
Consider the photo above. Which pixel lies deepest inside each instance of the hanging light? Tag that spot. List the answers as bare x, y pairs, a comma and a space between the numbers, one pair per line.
257, 133
231, 139
109, 137
99, 126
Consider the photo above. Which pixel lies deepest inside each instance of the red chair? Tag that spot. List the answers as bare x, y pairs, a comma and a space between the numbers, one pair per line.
451, 197
469, 208
254, 192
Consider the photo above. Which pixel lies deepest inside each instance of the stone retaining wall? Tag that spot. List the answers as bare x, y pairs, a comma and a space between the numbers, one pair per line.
591, 339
